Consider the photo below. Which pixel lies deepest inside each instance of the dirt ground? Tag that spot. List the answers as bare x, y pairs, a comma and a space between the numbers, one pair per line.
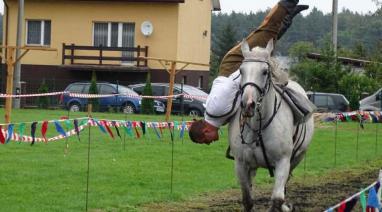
309, 195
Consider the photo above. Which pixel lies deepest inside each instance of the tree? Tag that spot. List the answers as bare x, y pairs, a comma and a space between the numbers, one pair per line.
224, 40
148, 103
43, 101
94, 90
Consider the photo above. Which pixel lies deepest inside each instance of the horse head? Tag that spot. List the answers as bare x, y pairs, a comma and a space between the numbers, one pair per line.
255, 76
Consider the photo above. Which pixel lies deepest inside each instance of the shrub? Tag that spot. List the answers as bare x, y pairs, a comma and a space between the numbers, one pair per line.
93, 90
43, 101
148, 104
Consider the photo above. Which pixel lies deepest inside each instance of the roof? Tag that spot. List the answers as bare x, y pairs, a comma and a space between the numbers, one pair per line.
145, 1
344, 60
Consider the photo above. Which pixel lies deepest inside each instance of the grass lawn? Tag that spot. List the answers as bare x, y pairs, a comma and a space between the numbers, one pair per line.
125, 173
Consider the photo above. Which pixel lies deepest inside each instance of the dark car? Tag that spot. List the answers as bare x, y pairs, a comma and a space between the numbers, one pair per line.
192, 106
329, 102
126, 101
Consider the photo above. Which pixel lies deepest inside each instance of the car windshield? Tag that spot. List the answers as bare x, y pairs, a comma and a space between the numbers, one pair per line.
194, 91
127, 91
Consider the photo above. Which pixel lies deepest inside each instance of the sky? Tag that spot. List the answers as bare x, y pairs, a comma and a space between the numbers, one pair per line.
360, 6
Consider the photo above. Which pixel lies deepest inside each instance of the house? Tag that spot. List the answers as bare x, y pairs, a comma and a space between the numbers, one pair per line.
108, 36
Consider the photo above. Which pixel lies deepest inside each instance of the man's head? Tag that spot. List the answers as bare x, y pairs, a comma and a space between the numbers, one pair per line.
202, 132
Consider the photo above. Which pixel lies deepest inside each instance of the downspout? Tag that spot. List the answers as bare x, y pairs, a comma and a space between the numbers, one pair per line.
17, 74
5, 53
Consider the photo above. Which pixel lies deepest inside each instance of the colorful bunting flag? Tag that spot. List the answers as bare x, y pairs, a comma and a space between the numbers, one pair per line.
2, 138
22, 127
181, 134
372, 200
155, 130
350, 204
68, 124
100, 126
10, 132
362, 198
76, 128
104, 123
59, 128
33, 132
114, 123
44, 129
143, 126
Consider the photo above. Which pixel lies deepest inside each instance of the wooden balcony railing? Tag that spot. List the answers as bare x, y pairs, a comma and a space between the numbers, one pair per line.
74, 52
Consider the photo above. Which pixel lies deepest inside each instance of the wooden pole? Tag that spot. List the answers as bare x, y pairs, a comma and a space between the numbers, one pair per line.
171, 90
9, 89
11, 60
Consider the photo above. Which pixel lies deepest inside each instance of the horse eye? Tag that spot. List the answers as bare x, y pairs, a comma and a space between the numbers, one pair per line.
265, 72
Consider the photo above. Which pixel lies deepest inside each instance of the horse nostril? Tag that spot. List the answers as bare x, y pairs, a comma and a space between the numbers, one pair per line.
252, 105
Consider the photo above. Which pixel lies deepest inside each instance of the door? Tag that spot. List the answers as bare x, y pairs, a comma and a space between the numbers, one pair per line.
106, 102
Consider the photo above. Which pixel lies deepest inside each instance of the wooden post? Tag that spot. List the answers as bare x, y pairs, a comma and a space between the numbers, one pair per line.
171, 90
9, 89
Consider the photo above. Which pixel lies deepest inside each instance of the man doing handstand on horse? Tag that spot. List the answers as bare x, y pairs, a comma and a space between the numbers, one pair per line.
223, 101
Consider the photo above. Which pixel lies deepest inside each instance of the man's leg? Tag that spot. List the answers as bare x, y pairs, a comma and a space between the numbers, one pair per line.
269, 29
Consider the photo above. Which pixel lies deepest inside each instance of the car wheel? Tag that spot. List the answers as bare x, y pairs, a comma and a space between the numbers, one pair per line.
74, 107
128, 108
194, 112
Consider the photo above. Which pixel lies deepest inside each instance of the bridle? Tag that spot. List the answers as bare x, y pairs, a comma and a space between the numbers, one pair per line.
258, 107
262, 90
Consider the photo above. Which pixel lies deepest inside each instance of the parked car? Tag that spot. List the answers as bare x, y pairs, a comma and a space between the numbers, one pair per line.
123, 102
329, 102
372, 102
193, 106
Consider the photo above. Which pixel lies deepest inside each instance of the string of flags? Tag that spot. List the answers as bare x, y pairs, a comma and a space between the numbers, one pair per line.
72, 127
358, 116
370, 203
96, 96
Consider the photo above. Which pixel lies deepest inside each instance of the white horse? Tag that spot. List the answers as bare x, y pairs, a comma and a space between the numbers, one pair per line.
263, 133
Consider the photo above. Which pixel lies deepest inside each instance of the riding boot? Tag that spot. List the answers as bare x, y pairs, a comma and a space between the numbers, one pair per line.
287, 22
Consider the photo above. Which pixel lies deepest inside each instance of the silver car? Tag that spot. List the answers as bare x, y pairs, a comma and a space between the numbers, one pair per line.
372, 103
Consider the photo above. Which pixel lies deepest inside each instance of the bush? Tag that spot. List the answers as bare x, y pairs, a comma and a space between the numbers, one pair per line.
43, 101
148, 104
93, 90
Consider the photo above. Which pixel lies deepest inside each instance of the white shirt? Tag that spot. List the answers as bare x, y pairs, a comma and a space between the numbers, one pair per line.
220, 101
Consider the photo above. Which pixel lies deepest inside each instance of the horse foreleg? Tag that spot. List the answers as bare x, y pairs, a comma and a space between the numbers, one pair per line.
243, 173
282, 170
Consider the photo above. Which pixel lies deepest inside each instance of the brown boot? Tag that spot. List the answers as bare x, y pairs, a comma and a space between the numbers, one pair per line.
287, 22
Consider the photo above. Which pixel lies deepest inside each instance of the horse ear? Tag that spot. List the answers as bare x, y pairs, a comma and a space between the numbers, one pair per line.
269, 47
244, 46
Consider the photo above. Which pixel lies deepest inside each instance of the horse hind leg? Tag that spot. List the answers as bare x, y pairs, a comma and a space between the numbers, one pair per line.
282, 171
244, 175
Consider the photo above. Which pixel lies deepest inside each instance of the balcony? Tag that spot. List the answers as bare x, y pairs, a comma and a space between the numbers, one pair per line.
101, 57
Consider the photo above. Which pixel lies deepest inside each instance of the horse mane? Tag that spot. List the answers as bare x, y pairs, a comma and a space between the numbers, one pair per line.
279, 76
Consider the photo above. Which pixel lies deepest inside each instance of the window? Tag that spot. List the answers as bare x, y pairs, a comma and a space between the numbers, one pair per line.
38, 32
76, 88
113, 34
321, 101
107, 89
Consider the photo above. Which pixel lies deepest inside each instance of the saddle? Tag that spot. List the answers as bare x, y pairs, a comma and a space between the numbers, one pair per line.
300, 105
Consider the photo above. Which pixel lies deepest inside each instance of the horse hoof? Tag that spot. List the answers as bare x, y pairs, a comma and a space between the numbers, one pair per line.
287, 207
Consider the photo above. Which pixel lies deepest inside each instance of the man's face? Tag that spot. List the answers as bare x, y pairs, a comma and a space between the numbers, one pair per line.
210, 134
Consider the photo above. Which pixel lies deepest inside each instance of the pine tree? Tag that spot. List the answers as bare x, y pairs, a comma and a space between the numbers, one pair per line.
43, 101
93, 90
147, 103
